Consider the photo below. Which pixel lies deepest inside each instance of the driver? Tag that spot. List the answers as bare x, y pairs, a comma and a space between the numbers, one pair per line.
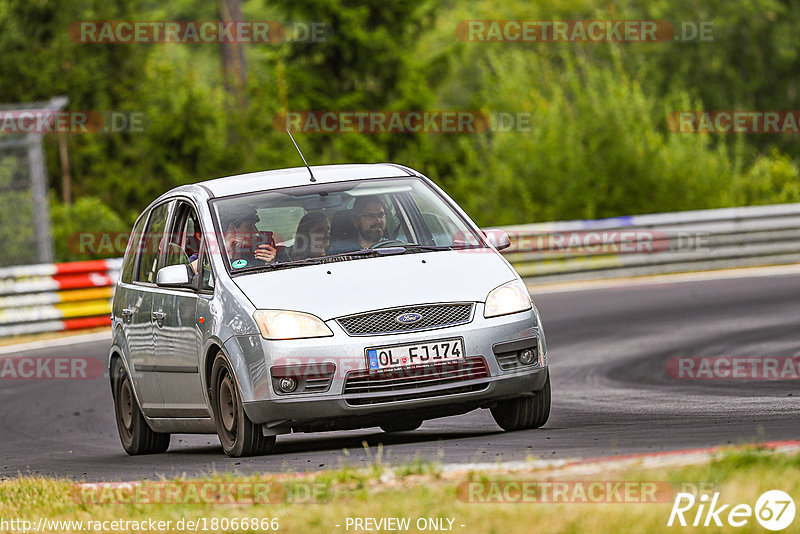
369, 220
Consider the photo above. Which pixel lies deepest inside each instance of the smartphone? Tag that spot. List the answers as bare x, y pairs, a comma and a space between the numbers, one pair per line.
263, 238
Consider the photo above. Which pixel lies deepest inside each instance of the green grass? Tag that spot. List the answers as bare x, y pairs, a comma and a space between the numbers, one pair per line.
317, 502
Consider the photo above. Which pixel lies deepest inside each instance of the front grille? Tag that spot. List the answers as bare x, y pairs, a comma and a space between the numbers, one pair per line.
317, 384
366, 382
508, 361
383, 322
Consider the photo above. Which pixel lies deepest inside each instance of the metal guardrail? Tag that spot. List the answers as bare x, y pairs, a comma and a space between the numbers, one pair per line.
656, 244
66, 296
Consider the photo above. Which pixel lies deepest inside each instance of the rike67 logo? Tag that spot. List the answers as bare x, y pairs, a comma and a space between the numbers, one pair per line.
774, 510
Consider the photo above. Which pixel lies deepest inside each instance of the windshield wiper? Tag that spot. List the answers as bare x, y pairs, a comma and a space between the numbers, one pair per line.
366, 253
361, 253
417, 246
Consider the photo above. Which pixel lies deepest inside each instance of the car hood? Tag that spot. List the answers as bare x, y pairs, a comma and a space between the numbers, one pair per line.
343, 288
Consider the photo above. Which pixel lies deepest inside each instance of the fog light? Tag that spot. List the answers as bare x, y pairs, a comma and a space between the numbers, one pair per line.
527, 356
287, 385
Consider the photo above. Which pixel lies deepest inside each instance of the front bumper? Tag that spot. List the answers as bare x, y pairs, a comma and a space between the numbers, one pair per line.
255, 358
334, 412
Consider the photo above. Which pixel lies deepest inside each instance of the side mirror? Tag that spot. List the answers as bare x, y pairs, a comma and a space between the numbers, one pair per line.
498, 238
175, 276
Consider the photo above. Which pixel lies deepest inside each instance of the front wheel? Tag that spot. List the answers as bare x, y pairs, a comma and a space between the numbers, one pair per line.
525, 412
134, 433
237, 433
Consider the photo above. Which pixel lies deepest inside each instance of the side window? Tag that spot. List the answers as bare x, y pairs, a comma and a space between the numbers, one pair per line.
442, 230
153, 244
132, 250
183, 243
208, 273
396, 221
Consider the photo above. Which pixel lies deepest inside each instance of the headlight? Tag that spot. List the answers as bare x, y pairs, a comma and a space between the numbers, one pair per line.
509, 298
282, 324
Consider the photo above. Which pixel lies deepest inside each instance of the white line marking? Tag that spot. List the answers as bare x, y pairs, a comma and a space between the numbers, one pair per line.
58, 342
659, 279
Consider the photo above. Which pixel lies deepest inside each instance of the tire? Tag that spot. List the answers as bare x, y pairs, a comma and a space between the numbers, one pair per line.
135, 434
525, 412
401, 426
237, 433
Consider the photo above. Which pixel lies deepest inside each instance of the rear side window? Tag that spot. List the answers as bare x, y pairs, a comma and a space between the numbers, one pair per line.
132, 249
281, 221
153, 244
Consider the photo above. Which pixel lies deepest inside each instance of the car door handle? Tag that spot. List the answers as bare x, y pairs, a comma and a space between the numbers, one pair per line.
159, 315
127, 312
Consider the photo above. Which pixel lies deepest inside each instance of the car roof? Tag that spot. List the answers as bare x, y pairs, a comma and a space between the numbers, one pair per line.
279, 178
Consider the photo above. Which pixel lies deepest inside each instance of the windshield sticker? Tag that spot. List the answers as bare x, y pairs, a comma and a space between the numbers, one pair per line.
238, 264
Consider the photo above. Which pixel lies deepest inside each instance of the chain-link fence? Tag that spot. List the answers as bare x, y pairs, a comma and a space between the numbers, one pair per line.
24, 215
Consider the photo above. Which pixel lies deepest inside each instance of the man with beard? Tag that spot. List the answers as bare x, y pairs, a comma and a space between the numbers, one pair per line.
369, 221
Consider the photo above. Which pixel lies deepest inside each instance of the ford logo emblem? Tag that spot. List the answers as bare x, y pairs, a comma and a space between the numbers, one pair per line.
408, 318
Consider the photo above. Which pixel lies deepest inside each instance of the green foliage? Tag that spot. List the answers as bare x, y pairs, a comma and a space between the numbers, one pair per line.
595, 148
598, 143
87, 229
771, 179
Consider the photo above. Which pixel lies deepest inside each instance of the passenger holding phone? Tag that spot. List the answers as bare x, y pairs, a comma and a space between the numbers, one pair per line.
245, 244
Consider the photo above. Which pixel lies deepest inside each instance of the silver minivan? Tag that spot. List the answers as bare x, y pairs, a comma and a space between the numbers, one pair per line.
289, 301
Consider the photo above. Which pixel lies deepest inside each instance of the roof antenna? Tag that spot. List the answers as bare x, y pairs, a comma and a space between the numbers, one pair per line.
301, 155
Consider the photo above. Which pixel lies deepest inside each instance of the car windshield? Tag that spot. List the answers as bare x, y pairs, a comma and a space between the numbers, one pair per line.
320, 223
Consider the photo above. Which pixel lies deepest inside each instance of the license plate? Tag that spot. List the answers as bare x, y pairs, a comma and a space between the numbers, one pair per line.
415, 354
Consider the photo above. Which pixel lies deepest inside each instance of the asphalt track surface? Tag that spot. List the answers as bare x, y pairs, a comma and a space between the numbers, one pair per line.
611, 394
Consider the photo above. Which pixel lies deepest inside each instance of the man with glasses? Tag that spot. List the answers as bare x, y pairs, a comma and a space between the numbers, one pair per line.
369, 220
